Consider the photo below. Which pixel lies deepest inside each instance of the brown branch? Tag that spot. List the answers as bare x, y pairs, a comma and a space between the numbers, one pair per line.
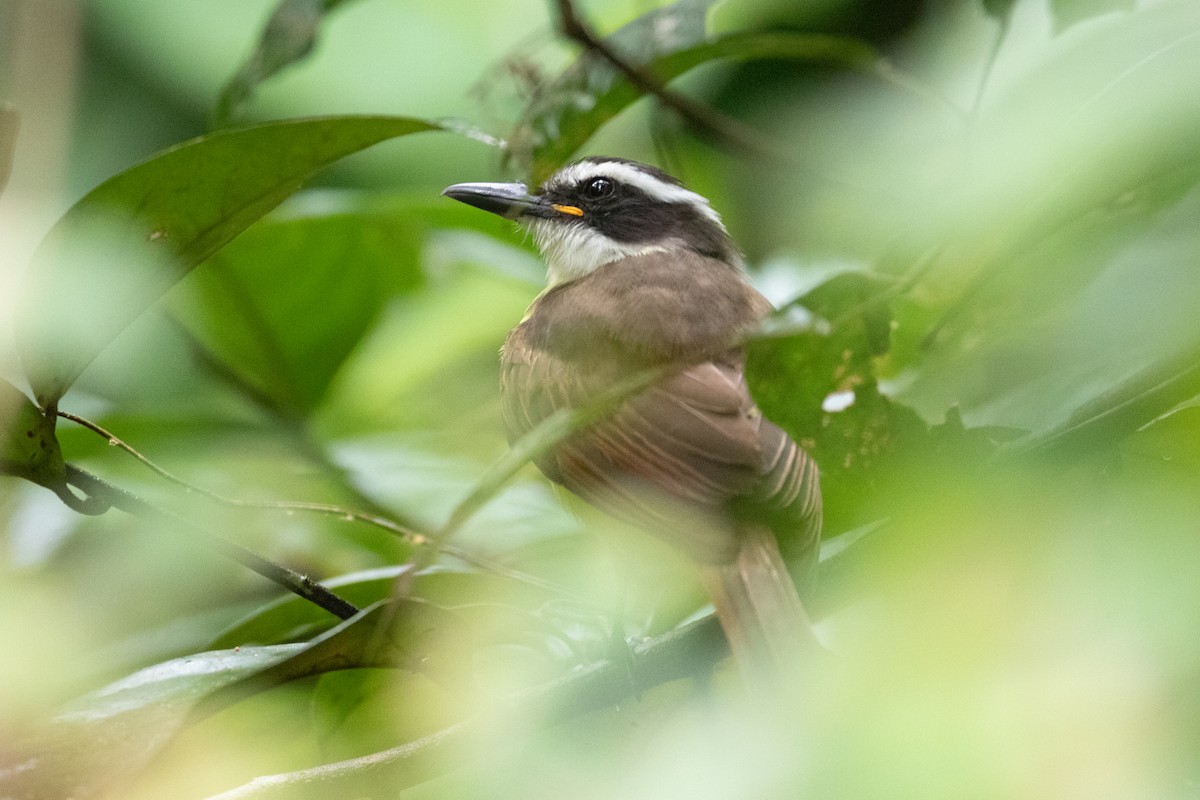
682, 653
415, 538
409, 535
101, 492
690, 651
723, 127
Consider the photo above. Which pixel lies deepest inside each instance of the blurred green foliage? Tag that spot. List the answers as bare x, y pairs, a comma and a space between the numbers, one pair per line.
980, 222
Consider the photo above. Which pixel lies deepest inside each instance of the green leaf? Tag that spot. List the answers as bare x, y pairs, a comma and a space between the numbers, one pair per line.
1053, 329
291, 617
1000, 9
284, 304
121, 247
843, 563
403, 634
1067, 13
29, 449
9, 122
813, 375
591, 92
111, 734
1170, 444
289, 36
1106, 420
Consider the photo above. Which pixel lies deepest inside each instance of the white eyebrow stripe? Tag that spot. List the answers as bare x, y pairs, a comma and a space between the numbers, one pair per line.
632, 176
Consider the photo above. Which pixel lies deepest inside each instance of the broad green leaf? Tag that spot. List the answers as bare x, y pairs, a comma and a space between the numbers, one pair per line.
284, 304
1067, 13
121, 247
108, 736
289, 36
813, 373
28, 448
171, 688
429, 365
1057, 334
592, 91
402, 634
1169, 446
1113, 415
816, 380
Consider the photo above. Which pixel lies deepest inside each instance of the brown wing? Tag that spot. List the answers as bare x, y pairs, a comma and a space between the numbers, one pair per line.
690, 456
683, 459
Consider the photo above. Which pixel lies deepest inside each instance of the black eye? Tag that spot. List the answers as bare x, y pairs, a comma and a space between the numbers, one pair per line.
598, 187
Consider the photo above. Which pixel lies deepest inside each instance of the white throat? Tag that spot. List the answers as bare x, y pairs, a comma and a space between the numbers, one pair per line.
573, 251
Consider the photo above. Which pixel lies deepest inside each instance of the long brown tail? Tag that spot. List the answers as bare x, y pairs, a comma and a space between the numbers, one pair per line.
760, 611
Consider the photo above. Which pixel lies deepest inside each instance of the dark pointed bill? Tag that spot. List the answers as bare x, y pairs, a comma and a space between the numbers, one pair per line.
511, 200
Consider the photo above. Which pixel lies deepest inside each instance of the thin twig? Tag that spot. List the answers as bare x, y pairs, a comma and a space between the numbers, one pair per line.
723, 127
545, 435
409, 535
289, 421
126, 501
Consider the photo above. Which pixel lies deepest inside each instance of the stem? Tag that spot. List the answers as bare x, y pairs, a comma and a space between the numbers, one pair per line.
723, 127
547, 433
413, 537
683, 653
100, 491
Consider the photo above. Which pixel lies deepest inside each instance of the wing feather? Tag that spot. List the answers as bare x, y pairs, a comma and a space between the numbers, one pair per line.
671, 458
687, 458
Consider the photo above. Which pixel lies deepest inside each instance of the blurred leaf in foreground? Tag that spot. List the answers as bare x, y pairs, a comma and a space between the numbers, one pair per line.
107, 737
28, 448
1067, 13
121, 247
110, 735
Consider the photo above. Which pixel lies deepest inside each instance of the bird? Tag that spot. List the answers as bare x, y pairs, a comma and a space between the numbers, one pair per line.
644, 278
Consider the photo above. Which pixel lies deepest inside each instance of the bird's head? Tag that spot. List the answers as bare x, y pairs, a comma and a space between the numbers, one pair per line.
599, 210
